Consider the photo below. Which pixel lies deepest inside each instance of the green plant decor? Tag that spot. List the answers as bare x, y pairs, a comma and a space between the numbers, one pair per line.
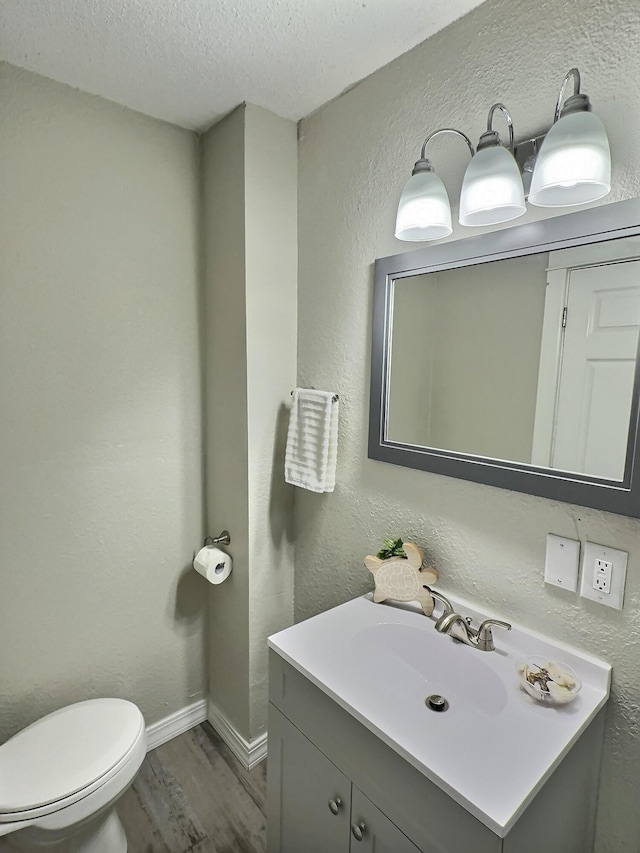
391, 548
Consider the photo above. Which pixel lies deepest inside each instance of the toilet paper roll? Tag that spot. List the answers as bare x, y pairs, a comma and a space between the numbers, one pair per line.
213, 564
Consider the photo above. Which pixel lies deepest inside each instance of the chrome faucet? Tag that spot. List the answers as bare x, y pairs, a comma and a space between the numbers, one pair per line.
459, 628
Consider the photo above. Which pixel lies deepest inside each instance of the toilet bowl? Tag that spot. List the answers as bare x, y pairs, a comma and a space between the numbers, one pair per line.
61, 777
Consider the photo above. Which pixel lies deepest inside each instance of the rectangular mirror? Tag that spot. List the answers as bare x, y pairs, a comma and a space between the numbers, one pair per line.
511, 358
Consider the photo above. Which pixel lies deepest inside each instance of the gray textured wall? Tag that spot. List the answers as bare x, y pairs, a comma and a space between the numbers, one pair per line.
250, 258
355, 155
226, 430
271, 245
100, 424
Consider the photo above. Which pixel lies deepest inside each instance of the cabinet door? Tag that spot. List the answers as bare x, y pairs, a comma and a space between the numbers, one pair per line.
309, 798
373, 832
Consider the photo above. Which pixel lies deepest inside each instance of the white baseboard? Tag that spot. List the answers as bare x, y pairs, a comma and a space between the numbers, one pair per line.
248, 753
175, 724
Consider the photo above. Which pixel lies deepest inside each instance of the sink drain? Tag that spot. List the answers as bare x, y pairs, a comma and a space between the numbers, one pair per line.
435, 702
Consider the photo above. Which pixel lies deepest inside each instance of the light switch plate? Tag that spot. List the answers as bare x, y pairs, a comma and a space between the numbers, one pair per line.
590, 554
561, 563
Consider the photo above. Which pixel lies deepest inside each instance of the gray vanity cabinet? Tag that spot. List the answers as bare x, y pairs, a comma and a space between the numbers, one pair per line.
315, 803
328, 774
319, 808
372, 831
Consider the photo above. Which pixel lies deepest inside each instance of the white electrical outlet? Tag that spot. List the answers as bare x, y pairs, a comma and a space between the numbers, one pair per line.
604, 571
602, 575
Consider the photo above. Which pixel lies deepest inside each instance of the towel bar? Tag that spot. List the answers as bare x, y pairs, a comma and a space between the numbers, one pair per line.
334, 399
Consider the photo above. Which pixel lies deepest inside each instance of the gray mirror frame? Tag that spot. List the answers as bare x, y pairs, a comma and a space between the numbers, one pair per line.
598, 224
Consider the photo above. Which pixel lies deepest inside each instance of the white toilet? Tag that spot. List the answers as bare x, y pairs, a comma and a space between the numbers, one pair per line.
61, 777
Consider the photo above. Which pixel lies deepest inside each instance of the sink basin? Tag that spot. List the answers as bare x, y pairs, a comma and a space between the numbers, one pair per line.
381, 662
407, 661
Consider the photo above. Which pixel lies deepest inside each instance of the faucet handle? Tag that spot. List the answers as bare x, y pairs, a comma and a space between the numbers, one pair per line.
485, 635
448, 607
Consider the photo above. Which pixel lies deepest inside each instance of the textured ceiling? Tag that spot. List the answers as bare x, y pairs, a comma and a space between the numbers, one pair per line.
191, 61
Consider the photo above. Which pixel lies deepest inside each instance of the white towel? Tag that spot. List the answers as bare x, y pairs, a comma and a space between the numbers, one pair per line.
312, 441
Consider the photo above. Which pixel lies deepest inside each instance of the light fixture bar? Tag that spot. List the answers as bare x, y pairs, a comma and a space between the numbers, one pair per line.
527, 148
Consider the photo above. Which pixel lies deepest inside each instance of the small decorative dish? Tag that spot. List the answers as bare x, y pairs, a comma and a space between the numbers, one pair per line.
548, 681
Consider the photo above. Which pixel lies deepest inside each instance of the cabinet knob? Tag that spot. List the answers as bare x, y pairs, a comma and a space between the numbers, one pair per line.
358, 830
335, 805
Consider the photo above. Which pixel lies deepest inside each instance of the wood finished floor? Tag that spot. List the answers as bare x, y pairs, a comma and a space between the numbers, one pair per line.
193, 796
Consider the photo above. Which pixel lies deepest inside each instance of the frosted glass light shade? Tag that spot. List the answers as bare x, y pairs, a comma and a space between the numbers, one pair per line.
492, 188
574, 163
424, 212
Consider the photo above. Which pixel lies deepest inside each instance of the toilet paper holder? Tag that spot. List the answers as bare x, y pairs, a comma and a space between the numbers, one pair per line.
223, 539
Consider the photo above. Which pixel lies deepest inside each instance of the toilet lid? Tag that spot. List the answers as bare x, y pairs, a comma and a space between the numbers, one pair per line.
65, 752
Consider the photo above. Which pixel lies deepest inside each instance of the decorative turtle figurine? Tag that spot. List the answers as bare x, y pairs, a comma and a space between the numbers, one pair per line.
403, 579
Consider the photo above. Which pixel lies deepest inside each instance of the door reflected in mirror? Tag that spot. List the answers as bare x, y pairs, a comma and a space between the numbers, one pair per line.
529, 360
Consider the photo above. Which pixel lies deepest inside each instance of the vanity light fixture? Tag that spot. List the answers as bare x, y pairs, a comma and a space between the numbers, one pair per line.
574, 163
572, 167
492, 189
424, 211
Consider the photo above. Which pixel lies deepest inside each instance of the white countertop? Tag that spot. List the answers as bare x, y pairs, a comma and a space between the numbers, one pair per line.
495, 746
